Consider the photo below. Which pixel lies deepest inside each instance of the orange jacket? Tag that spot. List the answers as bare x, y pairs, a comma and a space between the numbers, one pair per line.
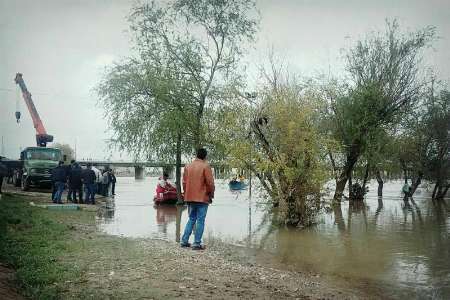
198, 182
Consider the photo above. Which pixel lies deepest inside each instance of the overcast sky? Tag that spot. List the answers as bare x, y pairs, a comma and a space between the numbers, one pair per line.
61, 46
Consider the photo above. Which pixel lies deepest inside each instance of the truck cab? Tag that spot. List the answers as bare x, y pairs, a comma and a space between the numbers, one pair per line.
36, 166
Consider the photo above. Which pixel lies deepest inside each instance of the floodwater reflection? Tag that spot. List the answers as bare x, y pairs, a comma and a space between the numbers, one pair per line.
402, 247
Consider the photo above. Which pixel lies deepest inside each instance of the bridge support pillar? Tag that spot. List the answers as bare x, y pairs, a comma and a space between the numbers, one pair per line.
138, 172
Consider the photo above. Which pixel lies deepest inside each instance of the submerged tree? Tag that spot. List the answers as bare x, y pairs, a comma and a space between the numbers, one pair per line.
426, 144
384, 72
281, 146
437, 153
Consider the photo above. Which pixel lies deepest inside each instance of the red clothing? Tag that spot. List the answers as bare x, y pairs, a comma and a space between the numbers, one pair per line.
198, 182
166, 188
164, 191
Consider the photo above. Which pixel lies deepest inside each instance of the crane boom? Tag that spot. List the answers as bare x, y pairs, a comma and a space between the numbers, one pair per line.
42, 138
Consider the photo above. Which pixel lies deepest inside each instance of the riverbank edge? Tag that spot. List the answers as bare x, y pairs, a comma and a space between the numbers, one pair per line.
60, 254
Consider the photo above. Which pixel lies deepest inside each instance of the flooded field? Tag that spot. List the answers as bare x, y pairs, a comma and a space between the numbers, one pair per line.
401, 248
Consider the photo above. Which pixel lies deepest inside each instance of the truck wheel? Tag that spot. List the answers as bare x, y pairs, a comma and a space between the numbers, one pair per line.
25, 184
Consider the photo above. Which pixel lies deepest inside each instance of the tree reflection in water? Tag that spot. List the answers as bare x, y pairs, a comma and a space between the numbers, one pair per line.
166, 214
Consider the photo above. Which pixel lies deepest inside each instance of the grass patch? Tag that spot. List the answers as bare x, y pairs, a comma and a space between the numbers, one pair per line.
33, 240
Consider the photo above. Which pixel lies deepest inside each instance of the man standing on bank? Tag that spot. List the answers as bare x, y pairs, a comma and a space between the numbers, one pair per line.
198, 186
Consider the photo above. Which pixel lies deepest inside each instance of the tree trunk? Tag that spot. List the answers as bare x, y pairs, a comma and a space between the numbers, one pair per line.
405, 172
198, 136
380, 206
443, 192
433, 196
352, 158
340, 186
333, 164
178, 169
366, 177
338, 218
350, 190
416, 183
380, 183
440, 191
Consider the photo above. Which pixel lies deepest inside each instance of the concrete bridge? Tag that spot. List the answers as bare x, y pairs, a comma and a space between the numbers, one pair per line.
140, 165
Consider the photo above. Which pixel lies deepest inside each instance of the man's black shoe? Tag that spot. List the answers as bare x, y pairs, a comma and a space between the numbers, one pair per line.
185, 245
198, 247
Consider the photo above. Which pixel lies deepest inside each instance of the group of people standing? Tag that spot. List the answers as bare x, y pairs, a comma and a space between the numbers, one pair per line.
91, 181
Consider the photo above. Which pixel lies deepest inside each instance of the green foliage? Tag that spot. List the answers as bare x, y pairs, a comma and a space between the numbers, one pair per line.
186, 50
199, 42
385, 84
282, 147
437, 128
424, 146
146, 107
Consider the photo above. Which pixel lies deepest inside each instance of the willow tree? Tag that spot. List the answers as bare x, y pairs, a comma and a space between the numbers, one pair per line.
200, 40
384, 72
147, 112
155, 101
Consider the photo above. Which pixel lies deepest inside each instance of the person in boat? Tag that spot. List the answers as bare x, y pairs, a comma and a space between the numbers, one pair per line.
165, 189
234, 180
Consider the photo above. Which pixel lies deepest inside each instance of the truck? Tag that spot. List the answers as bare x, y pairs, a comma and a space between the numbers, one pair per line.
34, 167
35, 163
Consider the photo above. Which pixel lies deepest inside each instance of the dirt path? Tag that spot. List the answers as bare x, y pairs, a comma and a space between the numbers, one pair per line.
157, 269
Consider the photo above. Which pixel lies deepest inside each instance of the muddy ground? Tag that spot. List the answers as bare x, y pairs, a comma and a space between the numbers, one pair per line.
110, 267
7, 289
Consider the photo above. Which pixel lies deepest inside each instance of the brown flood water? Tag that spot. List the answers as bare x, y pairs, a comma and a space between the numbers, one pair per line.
402, 249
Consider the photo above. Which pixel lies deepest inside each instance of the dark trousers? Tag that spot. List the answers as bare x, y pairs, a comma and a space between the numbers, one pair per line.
105, 189
59, 191
90, 193
98, 188
113, 188
73, 190
69, 193
53, 190
1, 183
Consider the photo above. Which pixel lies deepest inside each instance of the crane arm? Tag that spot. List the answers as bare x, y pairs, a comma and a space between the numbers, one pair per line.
41, 134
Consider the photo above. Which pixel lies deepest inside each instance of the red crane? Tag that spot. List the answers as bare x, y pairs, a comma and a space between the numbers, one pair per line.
42, 138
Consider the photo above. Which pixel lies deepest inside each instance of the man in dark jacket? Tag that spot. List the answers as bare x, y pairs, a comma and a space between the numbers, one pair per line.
3, 173
112, 180
88, 178
59, 178
68, 171
75, 183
